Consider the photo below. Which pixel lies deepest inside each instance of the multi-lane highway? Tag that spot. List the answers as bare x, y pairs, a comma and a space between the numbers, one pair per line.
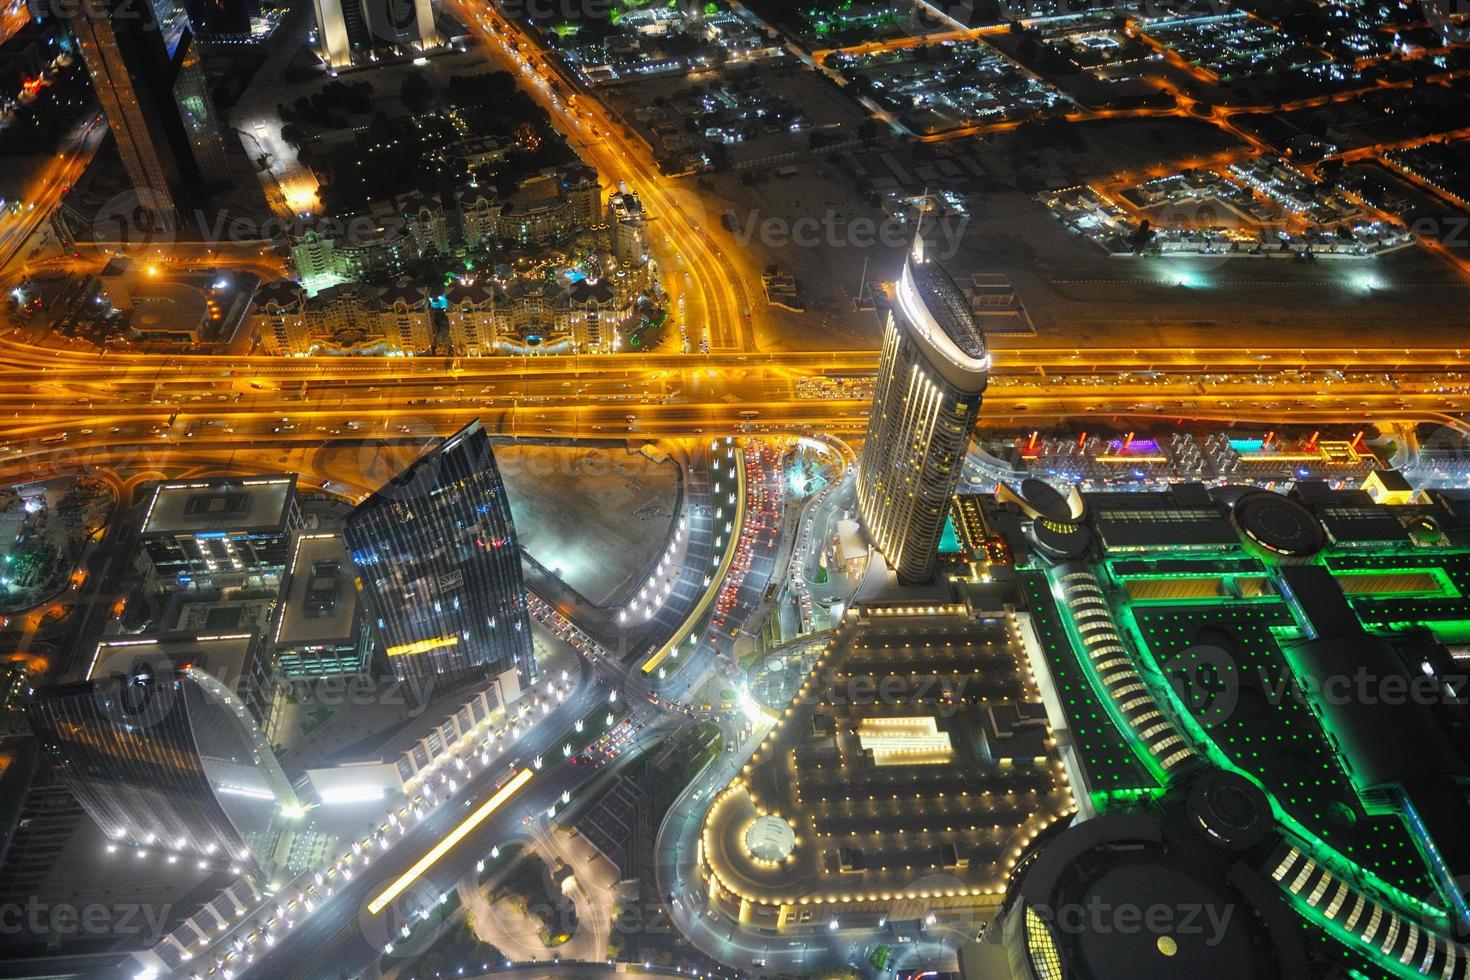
146, 412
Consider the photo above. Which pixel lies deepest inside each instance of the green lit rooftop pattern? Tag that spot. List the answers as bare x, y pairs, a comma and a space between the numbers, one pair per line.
1448, 615
1185, 563
1330, 953
1264, 730
1112, 768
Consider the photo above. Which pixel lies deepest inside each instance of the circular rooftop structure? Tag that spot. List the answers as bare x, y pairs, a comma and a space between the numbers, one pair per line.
769, 838
1137, 896
1061, 540
1230, 810
1278, 524
1045, 498
1169, 946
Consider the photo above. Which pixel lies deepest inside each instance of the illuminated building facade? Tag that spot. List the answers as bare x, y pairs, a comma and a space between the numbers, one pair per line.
353, 248
162, 745
346, 318
350, 30
405, 317
473, 324
220, 532
200, 118
545, 209
427, 223
584, 313
278, 316
629, 228
439, 568
477, 208
930, 381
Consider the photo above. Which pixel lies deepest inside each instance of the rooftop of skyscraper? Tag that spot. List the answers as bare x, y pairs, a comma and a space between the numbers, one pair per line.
950, 309
224, 657
220, 503
319, 603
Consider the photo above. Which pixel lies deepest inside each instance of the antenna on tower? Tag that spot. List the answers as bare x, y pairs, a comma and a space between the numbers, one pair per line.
917, 252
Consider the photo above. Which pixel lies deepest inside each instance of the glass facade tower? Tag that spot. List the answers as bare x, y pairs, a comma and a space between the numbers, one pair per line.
931, 377
160, 115
162, 747
439, 568
197, 110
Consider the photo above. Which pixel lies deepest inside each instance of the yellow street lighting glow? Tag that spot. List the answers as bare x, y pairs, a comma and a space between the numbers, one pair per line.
450, 840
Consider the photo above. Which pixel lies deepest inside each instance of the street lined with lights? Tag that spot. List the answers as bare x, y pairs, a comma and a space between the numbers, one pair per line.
450, 841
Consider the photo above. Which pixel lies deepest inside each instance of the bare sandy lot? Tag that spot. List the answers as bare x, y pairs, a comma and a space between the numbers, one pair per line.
596, 517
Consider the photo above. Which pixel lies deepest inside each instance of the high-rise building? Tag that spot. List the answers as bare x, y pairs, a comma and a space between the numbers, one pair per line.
147, 78
440, 570
197, 110
162, 745
629, 228
350, 29
580, 185
320, 630
220, 532
930, 380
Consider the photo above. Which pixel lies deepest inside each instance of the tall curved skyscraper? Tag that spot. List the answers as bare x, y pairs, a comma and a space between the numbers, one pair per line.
162, 746
439, 569
930, 380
